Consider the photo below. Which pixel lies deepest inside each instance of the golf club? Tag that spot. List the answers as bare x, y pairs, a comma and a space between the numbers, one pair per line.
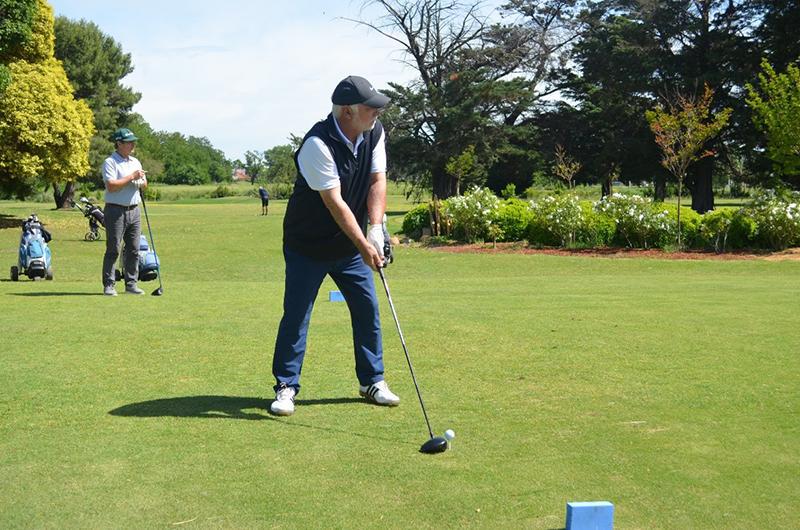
436, 444
160, 290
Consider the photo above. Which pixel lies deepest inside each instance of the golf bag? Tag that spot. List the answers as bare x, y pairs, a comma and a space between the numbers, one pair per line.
34, 254
148, 262
96, 218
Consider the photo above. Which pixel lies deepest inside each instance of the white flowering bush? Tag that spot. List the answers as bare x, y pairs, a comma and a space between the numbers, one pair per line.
471, 216
556, 219
639, 223
777, 219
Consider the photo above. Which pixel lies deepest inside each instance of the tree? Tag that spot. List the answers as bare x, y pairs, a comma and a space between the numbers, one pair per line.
682, 128
253, 164
279, 162
95, 65
465, 170
777, 32
476, 82
16, 27
565, 167
632, 50
16, 19
44, 131
191, 160
776, 107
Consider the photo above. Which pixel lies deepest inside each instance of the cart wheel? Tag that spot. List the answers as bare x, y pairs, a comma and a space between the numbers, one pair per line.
14, 274
117, 275
49, 274
88, 236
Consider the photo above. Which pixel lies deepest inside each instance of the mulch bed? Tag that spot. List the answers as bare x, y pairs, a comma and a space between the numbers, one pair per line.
517, 248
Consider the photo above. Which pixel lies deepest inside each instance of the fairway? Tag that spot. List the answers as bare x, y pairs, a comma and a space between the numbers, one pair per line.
667, 387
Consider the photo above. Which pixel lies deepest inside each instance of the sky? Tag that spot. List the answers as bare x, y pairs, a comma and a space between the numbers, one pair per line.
243, 73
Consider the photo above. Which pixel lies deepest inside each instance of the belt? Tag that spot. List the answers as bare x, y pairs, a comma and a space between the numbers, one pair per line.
131, 207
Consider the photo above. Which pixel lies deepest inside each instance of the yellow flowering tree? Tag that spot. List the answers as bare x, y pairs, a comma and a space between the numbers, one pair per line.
44, 131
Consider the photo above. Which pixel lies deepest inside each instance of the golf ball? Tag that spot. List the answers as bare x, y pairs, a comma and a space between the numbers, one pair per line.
449, 434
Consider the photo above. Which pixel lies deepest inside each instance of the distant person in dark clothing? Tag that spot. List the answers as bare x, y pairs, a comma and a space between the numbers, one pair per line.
264, 194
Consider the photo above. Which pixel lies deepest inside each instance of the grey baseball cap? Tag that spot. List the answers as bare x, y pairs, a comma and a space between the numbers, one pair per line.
354, 90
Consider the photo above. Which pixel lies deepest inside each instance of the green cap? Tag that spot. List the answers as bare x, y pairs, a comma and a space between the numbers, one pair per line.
124, 135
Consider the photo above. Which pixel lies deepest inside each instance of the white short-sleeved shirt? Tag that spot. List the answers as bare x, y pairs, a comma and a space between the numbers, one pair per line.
115, 167
318, 168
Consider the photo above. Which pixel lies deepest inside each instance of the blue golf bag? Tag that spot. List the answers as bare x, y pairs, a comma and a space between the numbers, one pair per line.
148, 262
34, 254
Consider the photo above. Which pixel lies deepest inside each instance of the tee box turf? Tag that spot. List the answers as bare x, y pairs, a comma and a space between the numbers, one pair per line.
335, 296
598, 515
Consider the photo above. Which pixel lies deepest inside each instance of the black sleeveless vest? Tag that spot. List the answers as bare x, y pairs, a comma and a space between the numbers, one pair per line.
308, 227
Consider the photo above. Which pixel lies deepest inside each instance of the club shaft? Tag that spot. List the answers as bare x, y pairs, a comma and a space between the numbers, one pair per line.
152, 241
405, 350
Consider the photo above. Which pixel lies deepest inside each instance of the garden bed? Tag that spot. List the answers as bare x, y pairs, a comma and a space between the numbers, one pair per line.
517, 248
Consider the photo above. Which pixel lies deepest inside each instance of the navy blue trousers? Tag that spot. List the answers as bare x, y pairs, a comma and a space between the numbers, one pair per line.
356, 282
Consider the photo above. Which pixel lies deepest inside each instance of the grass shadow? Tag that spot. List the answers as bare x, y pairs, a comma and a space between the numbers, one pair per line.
52, 294
9, 221
233, 408
329, 401
197, 407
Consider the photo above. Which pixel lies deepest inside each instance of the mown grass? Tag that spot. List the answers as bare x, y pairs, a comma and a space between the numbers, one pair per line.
666, 387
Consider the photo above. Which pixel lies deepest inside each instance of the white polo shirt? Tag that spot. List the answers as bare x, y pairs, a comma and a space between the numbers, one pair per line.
316, 161
114, 168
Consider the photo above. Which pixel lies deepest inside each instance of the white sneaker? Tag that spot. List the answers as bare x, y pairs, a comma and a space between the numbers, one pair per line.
284, 401
380, 394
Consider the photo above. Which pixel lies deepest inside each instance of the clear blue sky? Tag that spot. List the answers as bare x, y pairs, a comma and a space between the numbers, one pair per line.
242, 73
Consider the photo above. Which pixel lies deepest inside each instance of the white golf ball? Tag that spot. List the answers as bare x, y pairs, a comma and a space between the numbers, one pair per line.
449, 434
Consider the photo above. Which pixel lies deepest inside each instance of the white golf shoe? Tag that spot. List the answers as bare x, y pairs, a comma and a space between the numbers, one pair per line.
284, 401
379, 394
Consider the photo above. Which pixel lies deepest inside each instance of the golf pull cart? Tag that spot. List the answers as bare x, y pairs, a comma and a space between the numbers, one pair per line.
34, 260
436, 444
94, 214
148, 262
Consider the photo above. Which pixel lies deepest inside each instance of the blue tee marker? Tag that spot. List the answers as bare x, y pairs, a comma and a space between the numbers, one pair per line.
598, 515
335, 296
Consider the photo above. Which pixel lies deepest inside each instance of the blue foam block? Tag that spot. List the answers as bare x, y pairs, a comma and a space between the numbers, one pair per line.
335, 296
598, 515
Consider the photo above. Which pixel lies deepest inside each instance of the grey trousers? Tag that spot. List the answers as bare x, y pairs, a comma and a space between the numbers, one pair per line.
121, 226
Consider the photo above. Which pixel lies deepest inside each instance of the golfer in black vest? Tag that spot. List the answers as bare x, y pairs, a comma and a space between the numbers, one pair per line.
340, 187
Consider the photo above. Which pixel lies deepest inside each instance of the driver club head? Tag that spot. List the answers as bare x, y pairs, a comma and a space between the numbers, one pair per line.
158, 292
437, 444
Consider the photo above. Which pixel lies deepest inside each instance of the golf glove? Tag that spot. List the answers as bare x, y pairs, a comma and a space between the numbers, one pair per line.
139, 182
375, 238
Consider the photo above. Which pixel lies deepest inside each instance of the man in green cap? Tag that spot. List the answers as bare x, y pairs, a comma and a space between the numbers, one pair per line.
123, 179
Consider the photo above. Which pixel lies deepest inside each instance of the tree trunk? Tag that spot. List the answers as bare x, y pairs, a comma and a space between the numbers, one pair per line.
702, 188
444, 186
64, 198
660, 188
605, 187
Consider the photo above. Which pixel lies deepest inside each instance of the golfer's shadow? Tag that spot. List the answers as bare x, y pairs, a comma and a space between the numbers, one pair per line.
226, 407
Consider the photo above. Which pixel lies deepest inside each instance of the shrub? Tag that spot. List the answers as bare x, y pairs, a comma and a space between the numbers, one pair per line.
151, 193
690, 227
416, 219
638, 222
470, 215
727, 229
715, 227
221, 191
510, 191
513, 218
561, 217
597, 229
777, 219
